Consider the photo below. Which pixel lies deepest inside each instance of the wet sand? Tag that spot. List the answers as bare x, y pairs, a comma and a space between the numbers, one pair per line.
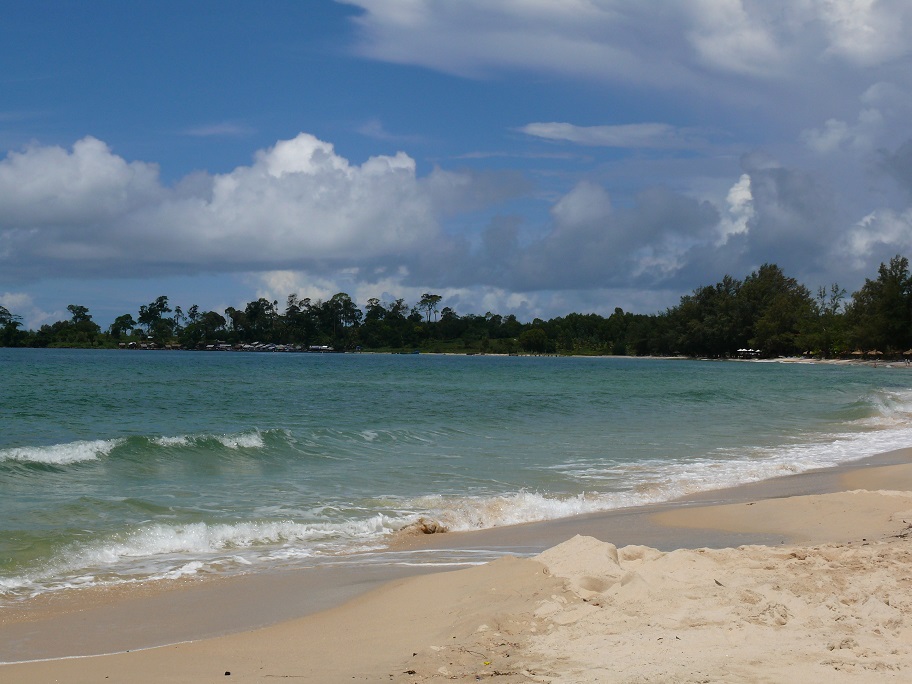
523, 616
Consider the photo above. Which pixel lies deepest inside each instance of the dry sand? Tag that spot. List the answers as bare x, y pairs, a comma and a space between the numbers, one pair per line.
832, 604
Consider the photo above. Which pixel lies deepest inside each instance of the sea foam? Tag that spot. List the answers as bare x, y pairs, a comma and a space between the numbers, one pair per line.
61, 454
241, 440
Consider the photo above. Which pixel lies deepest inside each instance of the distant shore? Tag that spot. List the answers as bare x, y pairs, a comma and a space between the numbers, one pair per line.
896, 361
513, 617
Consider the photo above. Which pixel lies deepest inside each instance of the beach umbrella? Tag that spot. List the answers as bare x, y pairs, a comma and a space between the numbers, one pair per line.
875, 352
857, 352
908, 352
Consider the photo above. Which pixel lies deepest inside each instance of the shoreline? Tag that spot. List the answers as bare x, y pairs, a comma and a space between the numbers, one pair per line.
83, 623
888, 362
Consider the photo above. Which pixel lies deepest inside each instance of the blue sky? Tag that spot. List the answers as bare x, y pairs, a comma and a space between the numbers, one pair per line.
534, 157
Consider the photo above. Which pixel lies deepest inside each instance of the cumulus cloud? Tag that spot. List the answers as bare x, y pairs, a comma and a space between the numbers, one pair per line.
829, 138
14, 301
589, 244
841, 65
297, 203
301, 218
885, 108
793, 216
49, 186
740, 203
880, 234
866, 32
22, 304
728, 36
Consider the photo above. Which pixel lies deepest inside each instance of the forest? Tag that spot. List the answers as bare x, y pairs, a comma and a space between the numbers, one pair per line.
767, 312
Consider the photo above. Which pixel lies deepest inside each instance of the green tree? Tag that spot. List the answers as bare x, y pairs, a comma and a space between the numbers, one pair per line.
10, 335
121, 325
340, 315
150, 315
828, 333
429, 303
880, 314
204, 328
260, 320
710, 321
80, 314
82, 331
775, 309
535, 341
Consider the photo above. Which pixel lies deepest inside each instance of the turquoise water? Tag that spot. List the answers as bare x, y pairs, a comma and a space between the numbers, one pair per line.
123, 466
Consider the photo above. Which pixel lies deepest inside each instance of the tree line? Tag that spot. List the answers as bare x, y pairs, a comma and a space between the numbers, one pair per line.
767, 311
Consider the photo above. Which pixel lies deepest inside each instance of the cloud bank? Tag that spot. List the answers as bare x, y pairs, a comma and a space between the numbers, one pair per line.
300, 207
813, 100
80, 210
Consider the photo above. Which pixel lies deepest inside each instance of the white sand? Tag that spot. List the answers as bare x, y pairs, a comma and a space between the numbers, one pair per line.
834, 612
836, 607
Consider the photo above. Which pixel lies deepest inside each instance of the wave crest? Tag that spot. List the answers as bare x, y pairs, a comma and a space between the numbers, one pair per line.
62, 454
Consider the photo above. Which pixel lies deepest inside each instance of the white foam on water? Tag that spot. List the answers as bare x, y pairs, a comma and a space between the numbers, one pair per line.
247, 440
62, 454
481, 512
180, 440
10, 585
893, 408
185, 570
241, 440
160, 539
171, 551
656, 481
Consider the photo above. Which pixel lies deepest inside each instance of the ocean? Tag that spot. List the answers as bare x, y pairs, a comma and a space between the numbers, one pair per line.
127, 466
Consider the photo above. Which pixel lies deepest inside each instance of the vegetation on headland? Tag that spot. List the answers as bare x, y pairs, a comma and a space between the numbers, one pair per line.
767, 312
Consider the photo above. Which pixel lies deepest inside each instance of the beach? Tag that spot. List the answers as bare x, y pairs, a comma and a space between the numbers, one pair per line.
805, 578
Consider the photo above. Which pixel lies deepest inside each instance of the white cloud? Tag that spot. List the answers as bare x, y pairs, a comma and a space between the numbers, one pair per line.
727, 37
299, 202
301, 218
218, 130
866, 32
374, 128
833, 135
585, 205
592, 244
658, 42
49, 186
22, 304
278, 285
13, 301
642, 135
889, 98
880, 235
740, 203
472, 37
885, 110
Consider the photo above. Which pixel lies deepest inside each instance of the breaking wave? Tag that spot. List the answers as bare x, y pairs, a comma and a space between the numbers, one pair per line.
62, 454
136, 447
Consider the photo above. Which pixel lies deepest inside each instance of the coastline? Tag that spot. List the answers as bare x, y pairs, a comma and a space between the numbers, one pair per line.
220, 619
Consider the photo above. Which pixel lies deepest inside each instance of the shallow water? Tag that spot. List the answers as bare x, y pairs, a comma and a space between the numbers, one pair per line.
120, 466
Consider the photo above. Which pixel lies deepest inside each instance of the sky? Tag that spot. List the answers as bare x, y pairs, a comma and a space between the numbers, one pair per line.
535, 157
